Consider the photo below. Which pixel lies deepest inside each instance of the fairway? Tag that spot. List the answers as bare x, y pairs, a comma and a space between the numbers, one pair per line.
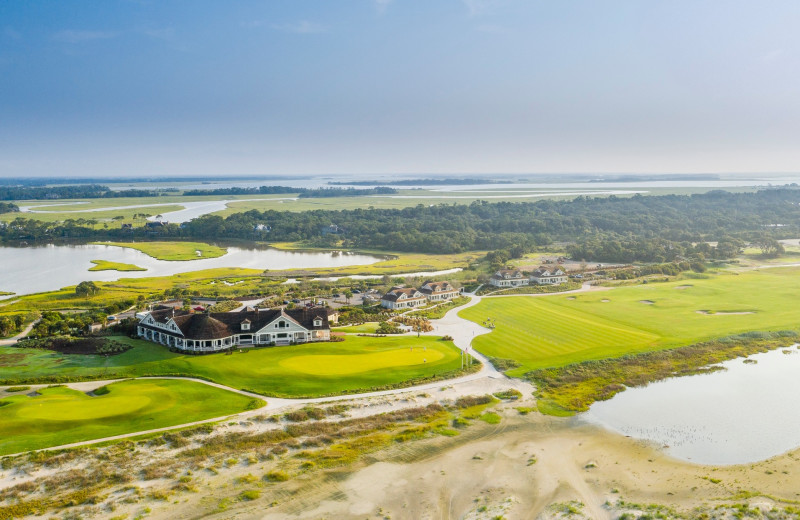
557, 330
61, 415
310, 370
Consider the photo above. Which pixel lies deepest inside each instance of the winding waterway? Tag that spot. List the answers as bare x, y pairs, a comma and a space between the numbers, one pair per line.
32, 269
746, 413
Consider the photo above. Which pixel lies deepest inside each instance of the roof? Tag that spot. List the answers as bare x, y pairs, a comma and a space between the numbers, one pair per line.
506, 273
218, 325
543, 271
396, 292
430, 287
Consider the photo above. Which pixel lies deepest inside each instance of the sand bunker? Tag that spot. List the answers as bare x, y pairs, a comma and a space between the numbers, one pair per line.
724, 313
647, 302
681, 287
605, 301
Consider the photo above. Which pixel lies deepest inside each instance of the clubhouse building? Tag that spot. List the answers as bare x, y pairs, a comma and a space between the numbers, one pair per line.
211, 332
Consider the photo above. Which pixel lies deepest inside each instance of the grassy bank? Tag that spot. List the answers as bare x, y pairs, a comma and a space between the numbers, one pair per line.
60, 415
559, 330
173, 251
310, 370
105, 265
573, 388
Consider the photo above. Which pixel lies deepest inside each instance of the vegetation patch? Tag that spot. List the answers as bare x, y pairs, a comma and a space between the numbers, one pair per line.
173, 251
573, 388
104, 265
85, 346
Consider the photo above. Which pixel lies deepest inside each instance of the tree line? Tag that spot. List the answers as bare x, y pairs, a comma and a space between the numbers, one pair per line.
652, 228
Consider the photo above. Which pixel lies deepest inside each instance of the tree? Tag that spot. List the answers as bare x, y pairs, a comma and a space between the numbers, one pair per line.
770, 247
87, 289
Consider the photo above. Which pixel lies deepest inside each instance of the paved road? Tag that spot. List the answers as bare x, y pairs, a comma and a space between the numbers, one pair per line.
27, 330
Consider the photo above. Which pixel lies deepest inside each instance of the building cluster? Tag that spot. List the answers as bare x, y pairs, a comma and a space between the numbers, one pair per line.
516, 278
401, 297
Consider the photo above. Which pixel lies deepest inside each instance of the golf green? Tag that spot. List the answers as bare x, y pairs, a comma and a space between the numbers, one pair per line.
60, 415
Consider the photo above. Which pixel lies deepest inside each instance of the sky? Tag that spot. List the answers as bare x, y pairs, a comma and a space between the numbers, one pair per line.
195, 87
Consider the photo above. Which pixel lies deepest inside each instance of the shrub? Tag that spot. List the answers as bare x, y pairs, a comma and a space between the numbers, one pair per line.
276, 476
251, 494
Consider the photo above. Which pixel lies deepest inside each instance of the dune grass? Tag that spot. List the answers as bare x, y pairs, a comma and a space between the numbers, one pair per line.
61, 415
552, 331
173, 251
314, 369
105, 265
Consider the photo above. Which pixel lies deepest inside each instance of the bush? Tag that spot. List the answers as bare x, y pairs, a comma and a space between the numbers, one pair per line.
251, 494
276, 476
17, 388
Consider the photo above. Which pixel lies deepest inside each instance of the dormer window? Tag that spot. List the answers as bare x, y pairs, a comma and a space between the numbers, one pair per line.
317, 322
246, 325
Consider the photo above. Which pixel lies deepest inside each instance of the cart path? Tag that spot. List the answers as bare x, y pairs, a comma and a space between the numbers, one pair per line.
27, 330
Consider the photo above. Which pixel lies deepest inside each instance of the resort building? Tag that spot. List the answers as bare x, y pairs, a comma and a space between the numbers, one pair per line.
438, 291
209, 332
545, 276
509, 278
403, 298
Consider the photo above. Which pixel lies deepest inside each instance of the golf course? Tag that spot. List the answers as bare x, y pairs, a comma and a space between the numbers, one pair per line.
357, 364
59, 415
557, 330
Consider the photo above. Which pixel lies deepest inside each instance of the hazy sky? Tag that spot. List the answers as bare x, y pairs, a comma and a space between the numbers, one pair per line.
430, 86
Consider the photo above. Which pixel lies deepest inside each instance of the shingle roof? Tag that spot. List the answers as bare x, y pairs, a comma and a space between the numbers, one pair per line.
218, 325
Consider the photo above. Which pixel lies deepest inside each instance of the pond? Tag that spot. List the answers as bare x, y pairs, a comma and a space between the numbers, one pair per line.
47, 267
745, 413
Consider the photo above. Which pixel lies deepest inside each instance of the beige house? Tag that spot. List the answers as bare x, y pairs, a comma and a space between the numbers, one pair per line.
545, 276
438, 291
509, 278
403, 298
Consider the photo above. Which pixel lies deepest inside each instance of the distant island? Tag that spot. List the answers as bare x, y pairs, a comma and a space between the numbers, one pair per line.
660, 177
421, 182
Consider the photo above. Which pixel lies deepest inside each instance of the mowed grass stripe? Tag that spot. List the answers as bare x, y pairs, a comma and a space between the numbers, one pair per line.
557, 330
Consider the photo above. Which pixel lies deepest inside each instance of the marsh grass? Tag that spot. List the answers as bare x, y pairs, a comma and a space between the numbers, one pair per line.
573, 388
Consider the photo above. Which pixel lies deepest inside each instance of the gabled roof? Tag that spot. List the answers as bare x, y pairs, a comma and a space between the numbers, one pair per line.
503, 274
217, 325
430, 287
396, 292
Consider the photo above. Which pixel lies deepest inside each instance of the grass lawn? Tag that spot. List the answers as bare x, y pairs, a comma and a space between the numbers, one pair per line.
61, 415
314, 369
365, 328
105, 265
557, 330
177, 251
